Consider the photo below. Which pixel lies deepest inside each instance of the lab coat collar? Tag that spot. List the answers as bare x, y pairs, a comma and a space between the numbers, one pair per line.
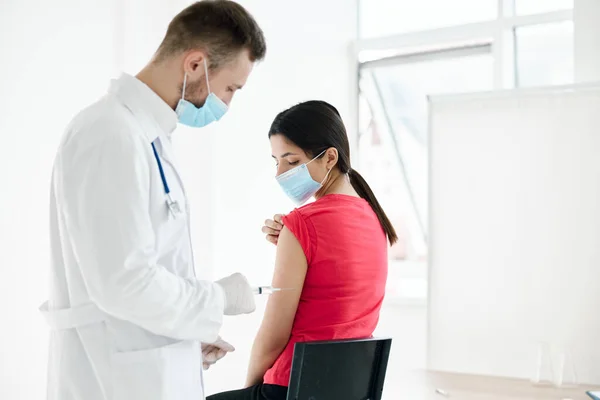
149, 109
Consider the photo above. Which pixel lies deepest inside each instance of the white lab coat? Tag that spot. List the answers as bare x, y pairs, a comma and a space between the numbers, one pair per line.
126, 311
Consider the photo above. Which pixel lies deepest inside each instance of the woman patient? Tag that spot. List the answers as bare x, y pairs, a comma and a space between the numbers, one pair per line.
331, 252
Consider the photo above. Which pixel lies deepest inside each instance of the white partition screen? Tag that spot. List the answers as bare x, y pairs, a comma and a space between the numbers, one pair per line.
515, 231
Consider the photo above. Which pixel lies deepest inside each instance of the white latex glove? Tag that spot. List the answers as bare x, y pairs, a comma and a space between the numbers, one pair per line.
213, 352
239, 298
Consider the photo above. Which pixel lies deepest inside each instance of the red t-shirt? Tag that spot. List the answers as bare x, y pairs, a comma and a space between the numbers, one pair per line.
346, 250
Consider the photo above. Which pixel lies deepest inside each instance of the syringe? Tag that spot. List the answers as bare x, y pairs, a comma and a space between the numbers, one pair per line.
268, 289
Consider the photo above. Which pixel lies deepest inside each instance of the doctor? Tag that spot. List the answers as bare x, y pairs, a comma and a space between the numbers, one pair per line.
127, 313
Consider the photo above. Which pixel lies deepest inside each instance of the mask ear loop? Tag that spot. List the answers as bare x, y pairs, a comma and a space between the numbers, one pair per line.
320, 154
184, 83
327, 174
185, 80
206, 74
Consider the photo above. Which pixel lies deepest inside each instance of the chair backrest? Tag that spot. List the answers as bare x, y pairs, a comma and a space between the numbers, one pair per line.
345, 370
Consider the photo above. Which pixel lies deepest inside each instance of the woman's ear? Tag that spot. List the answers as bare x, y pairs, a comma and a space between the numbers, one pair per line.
331, 157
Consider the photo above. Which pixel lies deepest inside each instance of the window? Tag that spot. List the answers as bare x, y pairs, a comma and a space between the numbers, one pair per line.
525, 7
409, 50
393, 146
544, 54
387, 17
401, 91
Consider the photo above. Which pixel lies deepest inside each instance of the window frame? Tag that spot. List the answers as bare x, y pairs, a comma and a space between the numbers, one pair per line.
500, 33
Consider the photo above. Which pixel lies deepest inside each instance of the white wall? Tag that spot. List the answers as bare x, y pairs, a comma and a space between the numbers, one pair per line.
53, 63
59, 56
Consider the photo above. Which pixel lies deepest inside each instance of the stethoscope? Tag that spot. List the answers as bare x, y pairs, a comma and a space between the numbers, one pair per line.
173, 205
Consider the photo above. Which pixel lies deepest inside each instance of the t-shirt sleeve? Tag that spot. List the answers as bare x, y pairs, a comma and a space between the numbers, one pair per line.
301, 229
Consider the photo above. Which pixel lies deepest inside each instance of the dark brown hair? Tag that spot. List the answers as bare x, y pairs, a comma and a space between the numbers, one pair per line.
221, 28
315, 126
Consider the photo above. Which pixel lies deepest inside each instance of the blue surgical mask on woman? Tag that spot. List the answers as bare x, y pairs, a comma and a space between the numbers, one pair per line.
298, 184
213, 109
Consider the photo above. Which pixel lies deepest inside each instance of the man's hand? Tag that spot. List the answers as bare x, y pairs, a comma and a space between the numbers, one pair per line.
272, 228
213, 352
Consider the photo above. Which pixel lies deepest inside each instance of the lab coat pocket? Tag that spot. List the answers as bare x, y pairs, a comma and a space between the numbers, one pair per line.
165, 373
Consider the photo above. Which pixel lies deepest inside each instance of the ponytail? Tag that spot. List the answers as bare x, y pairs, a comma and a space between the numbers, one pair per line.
362, 188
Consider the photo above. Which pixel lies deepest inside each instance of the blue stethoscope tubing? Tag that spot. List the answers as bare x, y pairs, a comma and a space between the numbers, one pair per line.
173, 205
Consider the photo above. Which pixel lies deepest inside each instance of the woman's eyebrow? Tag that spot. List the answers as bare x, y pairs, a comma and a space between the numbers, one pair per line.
285, 155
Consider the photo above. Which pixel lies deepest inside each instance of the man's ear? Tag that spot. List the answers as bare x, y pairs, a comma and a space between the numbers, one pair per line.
193, 64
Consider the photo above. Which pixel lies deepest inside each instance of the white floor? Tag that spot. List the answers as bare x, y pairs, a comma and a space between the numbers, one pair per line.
405, 323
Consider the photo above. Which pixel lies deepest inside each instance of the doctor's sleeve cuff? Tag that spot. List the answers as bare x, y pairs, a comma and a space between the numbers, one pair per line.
221, 297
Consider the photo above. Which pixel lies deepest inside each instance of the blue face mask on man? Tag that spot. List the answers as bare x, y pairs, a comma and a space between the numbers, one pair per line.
213, 109
298, 184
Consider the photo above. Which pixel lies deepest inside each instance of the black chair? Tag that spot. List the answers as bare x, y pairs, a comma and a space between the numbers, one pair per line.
339, 370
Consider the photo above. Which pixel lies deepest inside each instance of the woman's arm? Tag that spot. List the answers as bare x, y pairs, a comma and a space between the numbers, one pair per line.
274, 332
